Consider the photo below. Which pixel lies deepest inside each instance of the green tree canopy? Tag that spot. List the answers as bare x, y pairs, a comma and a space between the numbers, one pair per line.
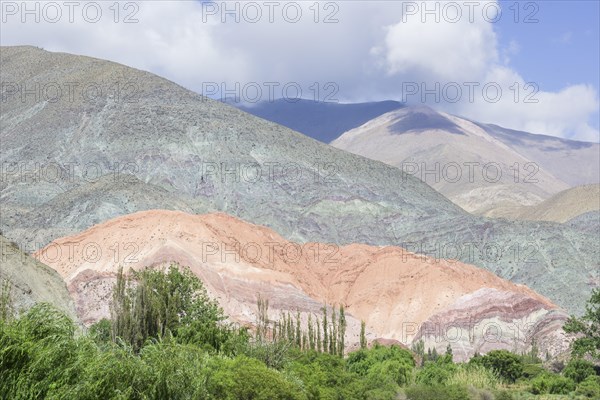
589, 326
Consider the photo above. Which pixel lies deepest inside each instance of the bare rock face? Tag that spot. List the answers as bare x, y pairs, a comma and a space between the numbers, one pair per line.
396, 292
31, 282
490, 319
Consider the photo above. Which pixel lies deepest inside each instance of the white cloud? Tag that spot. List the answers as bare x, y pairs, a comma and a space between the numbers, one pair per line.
525, 107
369, 53
442, 50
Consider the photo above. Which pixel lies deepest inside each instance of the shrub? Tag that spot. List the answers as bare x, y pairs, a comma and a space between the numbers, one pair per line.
436, 373
578, 370
503, 395
509, 366
247, 378
551, 384
474, 375
393, 362
530, 371
589, 388
450, 392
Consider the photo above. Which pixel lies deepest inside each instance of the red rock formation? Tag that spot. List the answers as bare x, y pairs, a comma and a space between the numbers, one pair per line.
396, 292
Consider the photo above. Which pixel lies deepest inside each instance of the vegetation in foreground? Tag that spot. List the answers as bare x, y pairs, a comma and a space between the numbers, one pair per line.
167, 340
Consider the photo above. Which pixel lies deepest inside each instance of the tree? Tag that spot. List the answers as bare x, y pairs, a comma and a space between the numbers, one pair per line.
509, 366
311, 333
6, 307
298, 334
419, 349
262, 317
341, 331
325, 327
588, 326
578, 370
363, 337
449, 352
319, 343
151, 303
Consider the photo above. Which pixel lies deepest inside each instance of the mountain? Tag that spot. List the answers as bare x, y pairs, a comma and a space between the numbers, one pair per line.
479, 167
323, 121
561, 207
574, 162
31, 282
397, 293
96, 153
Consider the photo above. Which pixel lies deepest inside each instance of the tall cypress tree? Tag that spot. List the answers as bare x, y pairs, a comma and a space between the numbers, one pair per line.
333, 336
311, 333
342, 331
325, 328
363, 337
298, 330
319, 343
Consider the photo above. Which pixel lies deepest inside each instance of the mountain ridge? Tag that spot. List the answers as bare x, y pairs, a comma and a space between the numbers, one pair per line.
172, 148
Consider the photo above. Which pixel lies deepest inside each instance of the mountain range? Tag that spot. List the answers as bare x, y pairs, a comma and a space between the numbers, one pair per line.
320, 120
78, 161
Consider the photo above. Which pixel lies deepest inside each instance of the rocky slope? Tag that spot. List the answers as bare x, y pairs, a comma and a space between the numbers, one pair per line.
31, 282
119, 140
395, 291
561, 207
571, 161
477, 167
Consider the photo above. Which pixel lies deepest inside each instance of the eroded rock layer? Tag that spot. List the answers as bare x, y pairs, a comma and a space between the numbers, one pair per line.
397, 293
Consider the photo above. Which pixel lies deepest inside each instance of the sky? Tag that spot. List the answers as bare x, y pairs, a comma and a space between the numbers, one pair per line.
527, 65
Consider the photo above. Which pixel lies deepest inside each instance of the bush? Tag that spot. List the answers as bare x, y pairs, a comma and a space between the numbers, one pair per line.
531, 371
474, 375
450, 392
509, 366
589, 388
551, 384
578, 370
435, 373
503, 395
247, 378
393, 362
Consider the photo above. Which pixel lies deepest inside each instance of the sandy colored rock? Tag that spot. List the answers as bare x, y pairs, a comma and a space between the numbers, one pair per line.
561, 207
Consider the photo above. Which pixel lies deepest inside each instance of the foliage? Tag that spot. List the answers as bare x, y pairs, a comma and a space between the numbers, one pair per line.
589, 327
186, 351
474, 375
393, 362
101, 331
532, 357
248, 378
578, 370
150, 304
436, 372
273, 354
530, 371
363, 336
551, 384
589, 388
6, 305
450, 392
509, 366
503, 395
